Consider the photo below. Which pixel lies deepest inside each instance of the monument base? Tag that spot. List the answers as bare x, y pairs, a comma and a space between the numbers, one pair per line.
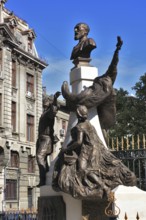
75, 209
129, 200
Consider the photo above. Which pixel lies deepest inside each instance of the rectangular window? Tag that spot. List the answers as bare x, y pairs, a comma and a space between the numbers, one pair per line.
30, 83
14, 159
31, 164
13, 73
30, 197
0, 109
30, 128
13, 119
11, 189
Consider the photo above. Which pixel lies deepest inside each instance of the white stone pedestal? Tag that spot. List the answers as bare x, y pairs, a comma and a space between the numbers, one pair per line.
80, 78
130, 200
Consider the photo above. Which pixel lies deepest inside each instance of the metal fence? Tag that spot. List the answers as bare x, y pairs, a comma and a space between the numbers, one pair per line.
132, 151
126, 217
18, 215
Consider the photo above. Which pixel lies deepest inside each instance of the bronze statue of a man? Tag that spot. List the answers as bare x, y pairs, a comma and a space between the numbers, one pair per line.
85, 45
46, 139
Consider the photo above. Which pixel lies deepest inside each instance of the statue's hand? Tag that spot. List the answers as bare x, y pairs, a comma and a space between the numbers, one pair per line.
65, 89
119, 43
57, 94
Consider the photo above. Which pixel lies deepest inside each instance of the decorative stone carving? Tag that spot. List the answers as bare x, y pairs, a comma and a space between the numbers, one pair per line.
30, 106
14, 93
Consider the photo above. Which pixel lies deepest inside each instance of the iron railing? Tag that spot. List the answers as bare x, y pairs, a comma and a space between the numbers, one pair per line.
126, 217
132, 151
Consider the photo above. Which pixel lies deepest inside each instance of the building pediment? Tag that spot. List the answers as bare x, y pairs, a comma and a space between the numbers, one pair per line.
6, 35
11, 21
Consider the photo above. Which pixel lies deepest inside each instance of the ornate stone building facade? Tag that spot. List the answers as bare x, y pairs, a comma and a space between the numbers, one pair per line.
20, 109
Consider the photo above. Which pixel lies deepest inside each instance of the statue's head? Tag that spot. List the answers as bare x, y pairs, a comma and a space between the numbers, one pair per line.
46, 102
81, 30
82, 112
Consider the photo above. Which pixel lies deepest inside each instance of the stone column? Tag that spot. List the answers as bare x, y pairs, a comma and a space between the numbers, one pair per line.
81, 77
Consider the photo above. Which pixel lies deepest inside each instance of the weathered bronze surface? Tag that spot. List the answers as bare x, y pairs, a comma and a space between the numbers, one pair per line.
101, 94
86, 169
46, 139
86, 45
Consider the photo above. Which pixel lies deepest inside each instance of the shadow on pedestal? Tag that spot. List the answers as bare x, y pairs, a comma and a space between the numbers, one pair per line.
94, 210
51, 207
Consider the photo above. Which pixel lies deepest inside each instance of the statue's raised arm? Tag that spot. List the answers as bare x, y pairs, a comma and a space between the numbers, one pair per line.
112, 69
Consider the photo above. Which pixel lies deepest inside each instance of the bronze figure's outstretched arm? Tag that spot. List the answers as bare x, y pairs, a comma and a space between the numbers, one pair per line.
112, 69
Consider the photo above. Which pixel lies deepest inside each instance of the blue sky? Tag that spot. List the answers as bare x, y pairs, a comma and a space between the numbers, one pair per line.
54, 21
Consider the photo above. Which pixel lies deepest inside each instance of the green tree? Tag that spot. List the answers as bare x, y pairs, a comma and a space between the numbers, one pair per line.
140, 116
140, 88
131, 111
125, 105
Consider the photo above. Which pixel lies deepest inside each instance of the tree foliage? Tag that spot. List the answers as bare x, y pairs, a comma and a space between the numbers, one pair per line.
131, 111
140, 88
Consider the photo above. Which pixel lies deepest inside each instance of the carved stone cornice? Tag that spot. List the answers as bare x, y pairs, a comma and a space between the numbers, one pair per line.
27, 59
30, 64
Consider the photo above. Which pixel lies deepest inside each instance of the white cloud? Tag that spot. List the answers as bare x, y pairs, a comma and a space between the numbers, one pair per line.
58, 71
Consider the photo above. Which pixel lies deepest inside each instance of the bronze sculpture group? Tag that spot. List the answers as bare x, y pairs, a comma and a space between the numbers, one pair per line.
85, 168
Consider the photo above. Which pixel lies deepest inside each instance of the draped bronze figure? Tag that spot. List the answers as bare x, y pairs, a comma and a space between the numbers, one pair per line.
86, 169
